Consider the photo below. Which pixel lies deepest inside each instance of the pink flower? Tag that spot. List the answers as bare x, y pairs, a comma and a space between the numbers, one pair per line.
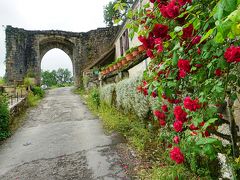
190, 104
232, 54
176, 155
180, 114
176, 140
178, 126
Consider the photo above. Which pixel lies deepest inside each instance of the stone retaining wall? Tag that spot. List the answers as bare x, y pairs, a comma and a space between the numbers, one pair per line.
17, 109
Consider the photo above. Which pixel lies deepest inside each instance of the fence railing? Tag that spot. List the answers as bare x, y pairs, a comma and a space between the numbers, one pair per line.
14, 94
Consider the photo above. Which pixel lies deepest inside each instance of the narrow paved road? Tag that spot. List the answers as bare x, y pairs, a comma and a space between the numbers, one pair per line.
60, 139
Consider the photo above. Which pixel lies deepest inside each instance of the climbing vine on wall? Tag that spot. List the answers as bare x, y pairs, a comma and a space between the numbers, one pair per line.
194, 72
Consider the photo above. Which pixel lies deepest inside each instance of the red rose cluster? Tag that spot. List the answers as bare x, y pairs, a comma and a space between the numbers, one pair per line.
170, 9
232, 54
181, 117
184, 67
161, 117
190, 104
177, 155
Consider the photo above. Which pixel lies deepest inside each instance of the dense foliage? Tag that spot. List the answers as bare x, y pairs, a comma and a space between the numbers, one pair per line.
4, 118
61, 77
193, 74
116, 10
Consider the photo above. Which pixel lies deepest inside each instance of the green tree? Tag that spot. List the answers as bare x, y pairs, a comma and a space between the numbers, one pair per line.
49, 78
116, 10
61, 77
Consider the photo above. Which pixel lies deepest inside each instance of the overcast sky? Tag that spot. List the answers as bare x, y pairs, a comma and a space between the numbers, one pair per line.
70, 15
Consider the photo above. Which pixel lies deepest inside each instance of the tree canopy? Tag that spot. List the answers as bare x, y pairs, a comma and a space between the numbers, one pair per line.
115, 11
61, 77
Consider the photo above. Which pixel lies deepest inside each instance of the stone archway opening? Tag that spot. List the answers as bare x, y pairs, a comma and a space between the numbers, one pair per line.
25, 50
57, 60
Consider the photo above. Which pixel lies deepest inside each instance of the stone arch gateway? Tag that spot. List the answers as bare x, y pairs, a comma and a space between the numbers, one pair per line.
25, 50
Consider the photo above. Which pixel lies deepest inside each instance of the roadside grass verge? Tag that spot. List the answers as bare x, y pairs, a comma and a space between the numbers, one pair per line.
156, 163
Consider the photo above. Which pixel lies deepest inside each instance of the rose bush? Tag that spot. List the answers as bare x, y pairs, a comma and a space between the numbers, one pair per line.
195, 53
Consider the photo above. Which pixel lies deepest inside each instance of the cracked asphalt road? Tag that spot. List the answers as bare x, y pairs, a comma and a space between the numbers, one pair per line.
61, 139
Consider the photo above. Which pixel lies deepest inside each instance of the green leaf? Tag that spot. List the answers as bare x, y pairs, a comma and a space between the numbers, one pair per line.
229, 5
209, 122
210, 31
178, 28
175, 58
207, 140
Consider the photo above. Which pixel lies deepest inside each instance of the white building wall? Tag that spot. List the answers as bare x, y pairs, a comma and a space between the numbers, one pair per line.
138, 69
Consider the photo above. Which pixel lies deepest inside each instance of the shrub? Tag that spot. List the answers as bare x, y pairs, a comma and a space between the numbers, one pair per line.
129, 100
95, 97
107, 94
4, 118
38, 91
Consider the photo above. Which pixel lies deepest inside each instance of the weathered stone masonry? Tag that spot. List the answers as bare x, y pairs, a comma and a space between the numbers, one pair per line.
25, 49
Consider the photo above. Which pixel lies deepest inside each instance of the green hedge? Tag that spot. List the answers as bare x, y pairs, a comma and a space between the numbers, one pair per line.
4, 118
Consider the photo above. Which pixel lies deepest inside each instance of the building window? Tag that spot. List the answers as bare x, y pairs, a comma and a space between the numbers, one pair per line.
121, 45
124, 42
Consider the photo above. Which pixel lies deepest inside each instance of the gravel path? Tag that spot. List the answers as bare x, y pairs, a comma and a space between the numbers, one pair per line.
61, 139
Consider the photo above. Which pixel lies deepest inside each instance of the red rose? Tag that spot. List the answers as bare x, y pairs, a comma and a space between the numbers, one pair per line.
147, 42
139, 88
160, 30
190, 104
184, 65
159, 114
150, 53
196, 40
232, 54
182, 73
176, 140
178, 126
154, 94
176, 155
183, 2
192, 127
199, 51
187, 32
180, 114
162, 122
206, 134
171, 10
159, 45
164, 108
145, 91
202, 123
218, 72
198, 65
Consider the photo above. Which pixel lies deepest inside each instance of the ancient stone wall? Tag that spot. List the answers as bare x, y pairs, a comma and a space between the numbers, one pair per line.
25, 50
